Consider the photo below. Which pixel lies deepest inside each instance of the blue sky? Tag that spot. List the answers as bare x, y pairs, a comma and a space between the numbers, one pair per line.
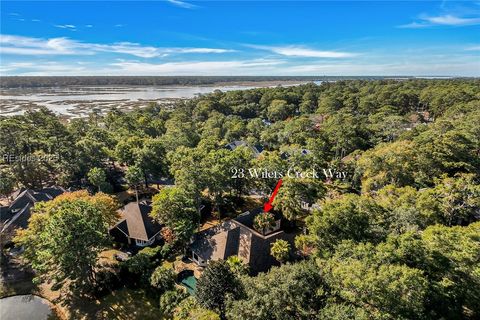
418, 38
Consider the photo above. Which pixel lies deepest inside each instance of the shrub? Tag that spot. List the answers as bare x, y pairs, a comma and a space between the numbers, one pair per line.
136, 271
170, 300
105, 282
162, 278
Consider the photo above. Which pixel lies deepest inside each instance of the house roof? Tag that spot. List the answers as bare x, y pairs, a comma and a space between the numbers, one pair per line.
248, 217
53, 192
136, 223
257, 149
237, 237
292, 151
217, 242
16, 215
235, 144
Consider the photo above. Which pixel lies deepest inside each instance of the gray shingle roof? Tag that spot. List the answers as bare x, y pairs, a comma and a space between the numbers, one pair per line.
257, 149
136, 223
237, 237
16, 215
215, 243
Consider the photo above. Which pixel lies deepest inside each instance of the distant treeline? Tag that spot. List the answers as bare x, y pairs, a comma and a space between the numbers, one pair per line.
32, 82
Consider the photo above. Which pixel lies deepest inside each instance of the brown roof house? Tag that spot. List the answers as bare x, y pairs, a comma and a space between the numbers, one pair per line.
16, 215
238, 237
136, 226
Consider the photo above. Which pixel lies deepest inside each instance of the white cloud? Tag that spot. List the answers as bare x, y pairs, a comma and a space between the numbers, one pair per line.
182, 4
443, 20
66, 26
298, 51
132, 68
133, 49
455, 67
450, 20
19, 45
89, 26
35, 46
201, 50
232, 67
473, 48
414, 25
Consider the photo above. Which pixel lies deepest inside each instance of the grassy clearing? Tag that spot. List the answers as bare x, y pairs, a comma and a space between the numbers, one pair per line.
128, 304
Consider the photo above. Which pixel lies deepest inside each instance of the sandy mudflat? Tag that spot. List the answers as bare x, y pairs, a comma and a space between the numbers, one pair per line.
79, 101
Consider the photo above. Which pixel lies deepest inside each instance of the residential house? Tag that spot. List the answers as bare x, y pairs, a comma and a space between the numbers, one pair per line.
294, 151
135, 225
238, 237
256, 149
16, 215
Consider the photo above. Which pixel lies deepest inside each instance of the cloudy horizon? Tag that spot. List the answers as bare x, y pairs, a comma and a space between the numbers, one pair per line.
255, 38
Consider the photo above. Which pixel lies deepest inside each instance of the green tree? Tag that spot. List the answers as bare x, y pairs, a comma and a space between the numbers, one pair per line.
216, 285
134, 176
180, 131
7, 181
97, 177
240, 159
280, 110
152, 159
295, 194
127, 150
271, 162
345, 132
453, 200
65, 236
349, 217
163, 279
174, 208
452, 266
291, 291
190, 309
139, 269
170, 300
386, 164
185, 161
386, 290
342, 311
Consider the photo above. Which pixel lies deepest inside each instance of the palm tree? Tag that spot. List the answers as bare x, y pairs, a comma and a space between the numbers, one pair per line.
236, 265
263, 222
280, 250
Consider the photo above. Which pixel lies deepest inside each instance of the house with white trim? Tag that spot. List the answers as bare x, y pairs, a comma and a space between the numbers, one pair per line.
135, 225
16, 215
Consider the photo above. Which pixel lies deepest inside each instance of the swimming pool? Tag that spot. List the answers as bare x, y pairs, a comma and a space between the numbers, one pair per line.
186, 279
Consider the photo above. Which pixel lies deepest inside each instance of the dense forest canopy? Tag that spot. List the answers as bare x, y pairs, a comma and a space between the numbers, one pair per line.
38, 81
398, 238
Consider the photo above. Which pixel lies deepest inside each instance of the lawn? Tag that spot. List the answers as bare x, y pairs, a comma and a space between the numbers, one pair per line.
127, 304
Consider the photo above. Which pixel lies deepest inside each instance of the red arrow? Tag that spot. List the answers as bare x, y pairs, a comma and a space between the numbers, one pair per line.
268, 206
